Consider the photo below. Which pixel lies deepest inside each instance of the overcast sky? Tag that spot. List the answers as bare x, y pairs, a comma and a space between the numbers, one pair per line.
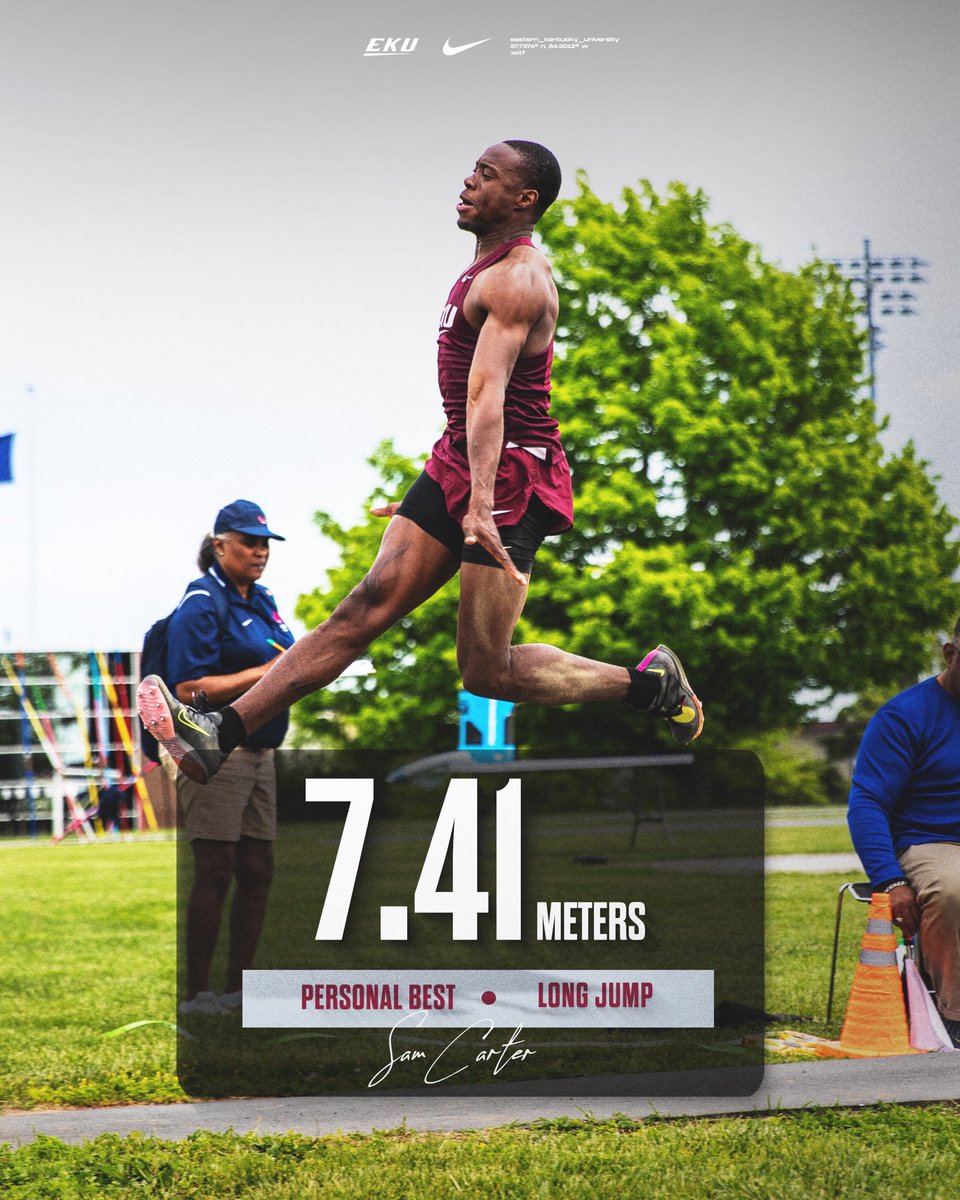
226, 234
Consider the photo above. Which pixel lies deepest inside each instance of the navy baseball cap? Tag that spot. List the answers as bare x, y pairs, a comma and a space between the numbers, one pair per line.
243, 516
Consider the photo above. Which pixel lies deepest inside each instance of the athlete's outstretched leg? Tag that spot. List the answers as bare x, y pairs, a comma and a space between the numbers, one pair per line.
410, 566
490, 606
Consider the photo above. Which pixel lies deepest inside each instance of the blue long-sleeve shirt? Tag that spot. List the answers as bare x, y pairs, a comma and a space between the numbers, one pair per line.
906, 780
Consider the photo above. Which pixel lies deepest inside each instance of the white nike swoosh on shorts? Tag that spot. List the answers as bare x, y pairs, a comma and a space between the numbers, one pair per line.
537, 451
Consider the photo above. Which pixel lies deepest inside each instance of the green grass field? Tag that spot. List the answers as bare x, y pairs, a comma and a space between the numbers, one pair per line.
90, 946
90, 950
827, 839
886, 1153
92, 943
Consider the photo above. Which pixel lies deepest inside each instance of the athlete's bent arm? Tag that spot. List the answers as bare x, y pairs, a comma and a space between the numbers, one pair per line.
515, 301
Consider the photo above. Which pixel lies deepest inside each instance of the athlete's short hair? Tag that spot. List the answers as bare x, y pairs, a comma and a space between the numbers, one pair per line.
540, 171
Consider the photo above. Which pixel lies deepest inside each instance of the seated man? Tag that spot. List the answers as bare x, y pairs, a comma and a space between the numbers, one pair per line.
904, 816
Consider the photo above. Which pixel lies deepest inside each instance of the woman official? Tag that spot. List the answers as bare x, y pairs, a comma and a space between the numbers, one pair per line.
223, 637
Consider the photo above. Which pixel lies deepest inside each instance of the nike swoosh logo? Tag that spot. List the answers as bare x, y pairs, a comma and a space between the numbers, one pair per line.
654, 671
184, 721
448, 49
684, 716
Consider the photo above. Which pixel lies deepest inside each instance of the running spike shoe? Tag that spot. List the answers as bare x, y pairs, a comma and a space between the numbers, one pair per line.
676, 701
188, 735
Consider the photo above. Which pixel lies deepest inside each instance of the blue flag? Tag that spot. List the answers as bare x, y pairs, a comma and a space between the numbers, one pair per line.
6, 458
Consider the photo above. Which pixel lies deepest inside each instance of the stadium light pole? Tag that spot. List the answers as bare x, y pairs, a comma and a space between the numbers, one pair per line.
888, 273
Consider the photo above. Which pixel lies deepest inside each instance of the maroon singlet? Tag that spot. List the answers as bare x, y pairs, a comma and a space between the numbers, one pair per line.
532, 461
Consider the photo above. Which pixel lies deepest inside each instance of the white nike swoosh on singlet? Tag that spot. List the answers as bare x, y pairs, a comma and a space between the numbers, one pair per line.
499, 512
448, 49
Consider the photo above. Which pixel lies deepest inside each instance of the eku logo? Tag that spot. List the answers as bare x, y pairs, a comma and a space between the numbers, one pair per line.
377, 47
448, 316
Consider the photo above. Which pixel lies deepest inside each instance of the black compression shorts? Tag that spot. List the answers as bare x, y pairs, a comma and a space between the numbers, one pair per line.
424, 504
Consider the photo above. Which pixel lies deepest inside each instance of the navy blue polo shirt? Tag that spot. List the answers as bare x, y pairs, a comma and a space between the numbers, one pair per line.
198, 646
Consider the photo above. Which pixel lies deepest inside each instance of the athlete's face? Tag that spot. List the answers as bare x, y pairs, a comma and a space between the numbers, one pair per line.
493, 193
242, 557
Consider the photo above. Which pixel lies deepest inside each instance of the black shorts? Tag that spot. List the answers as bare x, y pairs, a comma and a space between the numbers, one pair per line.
424, 504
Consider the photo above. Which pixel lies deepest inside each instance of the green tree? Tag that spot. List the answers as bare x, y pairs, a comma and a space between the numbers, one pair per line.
733, 498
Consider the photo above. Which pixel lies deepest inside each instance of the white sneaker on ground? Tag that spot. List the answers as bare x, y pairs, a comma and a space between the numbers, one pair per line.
202, 1002
230, 1001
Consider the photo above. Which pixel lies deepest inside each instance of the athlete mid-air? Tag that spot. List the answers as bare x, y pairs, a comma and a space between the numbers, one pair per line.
496, 483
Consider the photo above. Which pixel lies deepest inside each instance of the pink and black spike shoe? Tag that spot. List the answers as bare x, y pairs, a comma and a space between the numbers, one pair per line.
676, 700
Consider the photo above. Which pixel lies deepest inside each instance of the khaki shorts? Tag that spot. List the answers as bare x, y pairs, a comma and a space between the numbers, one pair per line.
240, 800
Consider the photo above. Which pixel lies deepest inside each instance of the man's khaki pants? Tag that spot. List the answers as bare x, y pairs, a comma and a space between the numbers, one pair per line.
934, 873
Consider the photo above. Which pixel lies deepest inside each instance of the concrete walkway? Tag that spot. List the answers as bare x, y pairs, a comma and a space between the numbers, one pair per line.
849, 1083
815, 864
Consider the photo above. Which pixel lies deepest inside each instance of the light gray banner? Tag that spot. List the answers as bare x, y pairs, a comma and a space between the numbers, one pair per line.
542, 999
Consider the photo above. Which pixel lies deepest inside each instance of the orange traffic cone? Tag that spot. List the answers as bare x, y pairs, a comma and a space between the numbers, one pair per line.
876, 1019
